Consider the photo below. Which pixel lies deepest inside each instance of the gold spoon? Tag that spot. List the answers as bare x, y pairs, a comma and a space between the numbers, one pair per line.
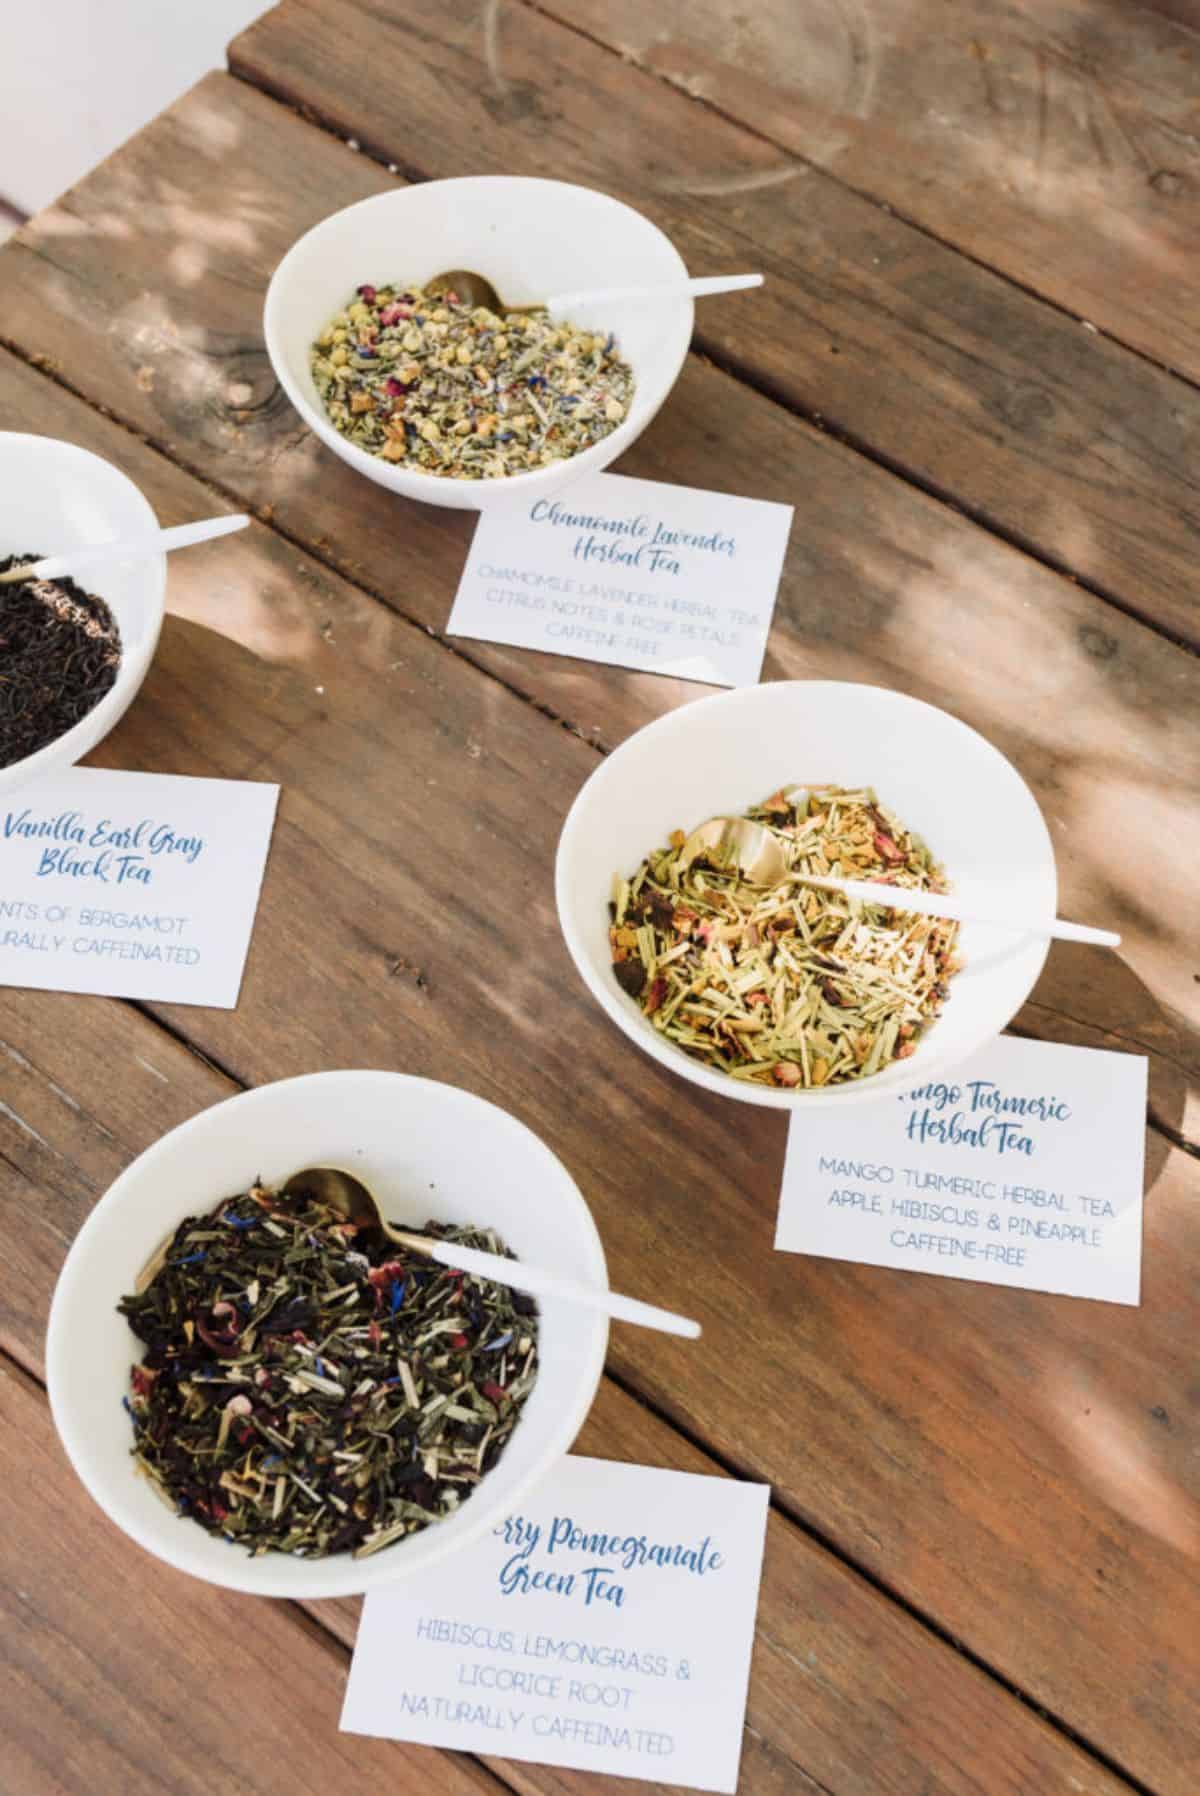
759, 855
345, 1194
738, 842
476, 290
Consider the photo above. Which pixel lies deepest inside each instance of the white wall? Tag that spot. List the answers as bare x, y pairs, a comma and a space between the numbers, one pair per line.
83, 75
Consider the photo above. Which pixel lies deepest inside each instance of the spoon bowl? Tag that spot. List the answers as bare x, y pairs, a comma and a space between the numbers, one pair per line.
472, 289
716, 757
348, 1196
535, 238
475, 290
742, 843
759, 856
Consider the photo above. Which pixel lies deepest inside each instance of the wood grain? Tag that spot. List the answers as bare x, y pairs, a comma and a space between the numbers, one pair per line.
196, 1689
999, 1459
1054, 140
1183, 12
963, 381
882, 584
848, 1693
835, 1703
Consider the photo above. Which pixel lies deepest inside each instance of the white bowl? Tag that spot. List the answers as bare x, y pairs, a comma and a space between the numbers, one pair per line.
530, 238
720, 755
57, 496
428, 1151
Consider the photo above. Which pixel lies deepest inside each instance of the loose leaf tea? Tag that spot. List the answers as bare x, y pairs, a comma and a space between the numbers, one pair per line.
789, 986
311, 1388
59, 653
453, 389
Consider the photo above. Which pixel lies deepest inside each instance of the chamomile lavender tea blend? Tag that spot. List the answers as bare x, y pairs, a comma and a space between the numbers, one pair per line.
60, 650
312, 1389
789, 986
452, 389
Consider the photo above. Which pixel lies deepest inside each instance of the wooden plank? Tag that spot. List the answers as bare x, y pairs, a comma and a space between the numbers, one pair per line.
1018, 1482
842, 1696
847, 1692
1053, 433
874, 589
1054, 140
194, 1689
1184, 12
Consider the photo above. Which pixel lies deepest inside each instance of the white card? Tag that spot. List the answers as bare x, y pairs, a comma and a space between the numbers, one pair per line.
632, 572
608, 1626
1022, 1167
132, 885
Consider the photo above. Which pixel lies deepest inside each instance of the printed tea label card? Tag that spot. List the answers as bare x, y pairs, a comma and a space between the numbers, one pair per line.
1022, 1167
633, 572
132, 885
607, 1626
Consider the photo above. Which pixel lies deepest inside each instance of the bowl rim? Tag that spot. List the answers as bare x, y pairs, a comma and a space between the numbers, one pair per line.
276, 1574
66, 749
414, 482
630, 1020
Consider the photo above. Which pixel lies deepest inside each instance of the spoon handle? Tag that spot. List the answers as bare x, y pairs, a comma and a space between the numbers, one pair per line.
709, 283
520, 1277
75, 560
942, 904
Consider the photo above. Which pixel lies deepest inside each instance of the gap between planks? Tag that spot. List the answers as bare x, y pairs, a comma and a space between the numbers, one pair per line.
820, 423
306, 1620
1153, 1120
663, 1412
311, 552
749, 377
545, 10
1004, 533
310, 1621
329, 562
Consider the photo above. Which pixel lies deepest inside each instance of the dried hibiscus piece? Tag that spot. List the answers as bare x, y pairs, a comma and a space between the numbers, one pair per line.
655, 996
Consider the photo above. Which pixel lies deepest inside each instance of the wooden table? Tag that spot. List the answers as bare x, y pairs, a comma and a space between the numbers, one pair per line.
975, 372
